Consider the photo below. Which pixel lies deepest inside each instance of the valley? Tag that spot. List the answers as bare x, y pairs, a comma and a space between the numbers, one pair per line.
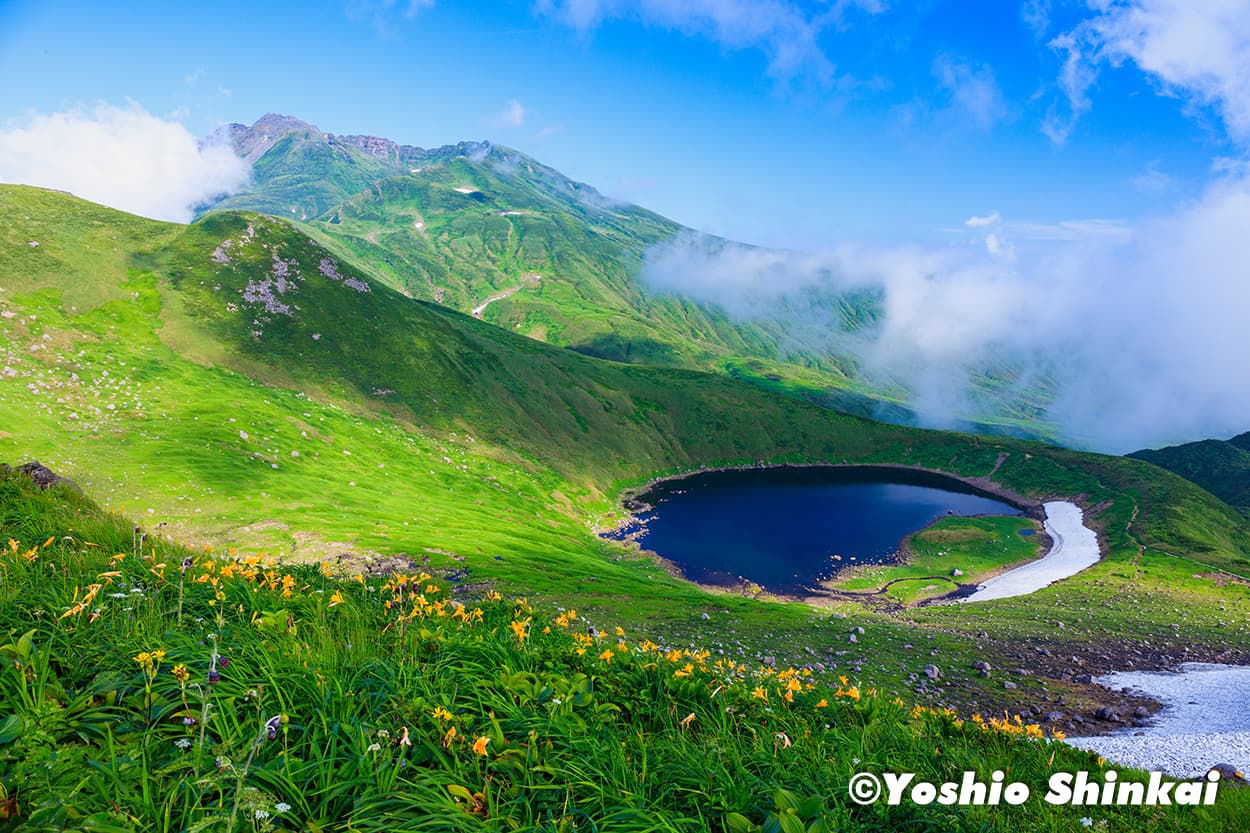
242, 385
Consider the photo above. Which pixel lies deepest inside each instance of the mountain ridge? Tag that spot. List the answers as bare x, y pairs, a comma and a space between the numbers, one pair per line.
460, 224
1222, 467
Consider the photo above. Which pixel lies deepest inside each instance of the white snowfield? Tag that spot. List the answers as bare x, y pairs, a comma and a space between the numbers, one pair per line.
1075, 548
1205, 721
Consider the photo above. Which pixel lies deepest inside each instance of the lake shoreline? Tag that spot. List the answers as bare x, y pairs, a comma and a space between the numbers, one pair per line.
819, 597
981, 485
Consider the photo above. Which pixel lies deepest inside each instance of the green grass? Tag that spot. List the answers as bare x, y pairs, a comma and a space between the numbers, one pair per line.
977, 547
1221, 467
334, 702
459, 224
430, 441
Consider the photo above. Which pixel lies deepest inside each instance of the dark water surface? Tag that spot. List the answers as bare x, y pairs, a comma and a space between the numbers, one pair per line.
781, 527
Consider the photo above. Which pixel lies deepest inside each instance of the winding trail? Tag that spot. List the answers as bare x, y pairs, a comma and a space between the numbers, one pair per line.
1075, 548
529, 281
507, 293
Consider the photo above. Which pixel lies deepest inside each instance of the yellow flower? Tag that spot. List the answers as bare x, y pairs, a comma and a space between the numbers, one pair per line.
519, 628
449, 737
823, 704
180, 673
572, 614
337, 598
620, 631
441, 713
479, 746
760, 694
607, 655
493, 596
687, 720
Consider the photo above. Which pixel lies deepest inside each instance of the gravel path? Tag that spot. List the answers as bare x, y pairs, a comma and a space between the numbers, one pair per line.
1075, 548
1213, 698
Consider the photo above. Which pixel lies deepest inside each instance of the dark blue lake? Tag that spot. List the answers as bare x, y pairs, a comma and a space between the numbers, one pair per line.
781, 527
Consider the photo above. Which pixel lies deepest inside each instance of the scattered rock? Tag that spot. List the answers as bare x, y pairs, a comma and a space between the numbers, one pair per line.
771, 662
956, 573
1108, 713
1229, 773
932, 672
1009, 685
44, 476
982, 665
704, 615
1053, 717
1141, 712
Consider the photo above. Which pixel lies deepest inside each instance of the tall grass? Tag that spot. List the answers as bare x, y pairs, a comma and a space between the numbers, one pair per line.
150, 687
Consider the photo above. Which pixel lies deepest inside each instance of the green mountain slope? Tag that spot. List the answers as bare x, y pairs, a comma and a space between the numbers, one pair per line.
1222, 467
234, 383
487, 230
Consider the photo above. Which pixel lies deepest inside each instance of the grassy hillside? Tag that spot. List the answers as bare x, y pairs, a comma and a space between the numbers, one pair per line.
485, 229
1222, 467
251, 390
151, 687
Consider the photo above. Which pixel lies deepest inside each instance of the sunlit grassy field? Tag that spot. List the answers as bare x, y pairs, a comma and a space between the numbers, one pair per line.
151, 687
377, 434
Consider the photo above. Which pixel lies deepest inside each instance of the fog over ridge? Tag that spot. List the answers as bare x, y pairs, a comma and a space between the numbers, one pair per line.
1138, 328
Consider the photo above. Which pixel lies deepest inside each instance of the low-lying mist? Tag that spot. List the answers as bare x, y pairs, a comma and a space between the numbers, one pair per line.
1136, 334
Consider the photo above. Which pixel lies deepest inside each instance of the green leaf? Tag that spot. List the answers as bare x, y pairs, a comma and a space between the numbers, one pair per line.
738, 823
786, 800
809, 807
11, 729
790, 823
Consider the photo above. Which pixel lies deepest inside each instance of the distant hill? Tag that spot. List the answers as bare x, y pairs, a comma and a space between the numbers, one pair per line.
1222, 467
487, 230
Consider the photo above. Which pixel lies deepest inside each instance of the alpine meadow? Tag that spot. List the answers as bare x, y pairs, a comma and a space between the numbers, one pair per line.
352, 485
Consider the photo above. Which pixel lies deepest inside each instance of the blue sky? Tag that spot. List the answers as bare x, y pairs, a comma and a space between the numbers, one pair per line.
774, 122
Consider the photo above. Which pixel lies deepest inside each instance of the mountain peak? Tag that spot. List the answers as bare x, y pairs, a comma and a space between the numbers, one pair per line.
254, 142
281, 123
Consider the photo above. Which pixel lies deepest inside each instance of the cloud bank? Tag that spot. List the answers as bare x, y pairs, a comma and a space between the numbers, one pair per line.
122, 157
1195, 50
1135, 332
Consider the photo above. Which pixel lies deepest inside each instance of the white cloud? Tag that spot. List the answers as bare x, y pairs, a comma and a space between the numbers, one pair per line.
970, 89
783, 30
1152, 180
1138, 328
991, 219
512, 115
122, 157
1075, 78
1036, 16
1199, 51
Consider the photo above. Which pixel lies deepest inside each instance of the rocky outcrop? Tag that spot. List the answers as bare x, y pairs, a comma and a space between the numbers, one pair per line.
41, 474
